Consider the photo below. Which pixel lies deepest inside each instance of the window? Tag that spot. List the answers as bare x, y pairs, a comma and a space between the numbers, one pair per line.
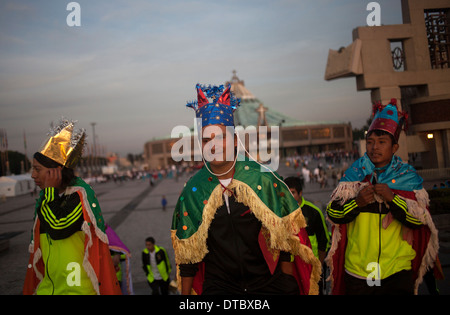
437, 22
398, 55
338, 132
157, 148
295, 135
322, 133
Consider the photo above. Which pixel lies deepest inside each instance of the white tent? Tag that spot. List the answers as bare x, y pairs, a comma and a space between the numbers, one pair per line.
16, 185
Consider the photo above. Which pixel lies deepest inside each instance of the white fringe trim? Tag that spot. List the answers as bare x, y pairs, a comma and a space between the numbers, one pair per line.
86, 264
335, 238
100, 234
419, 210
36, 258
347, 190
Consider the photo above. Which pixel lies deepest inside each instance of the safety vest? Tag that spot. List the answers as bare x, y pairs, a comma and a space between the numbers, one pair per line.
162, 263
313, 238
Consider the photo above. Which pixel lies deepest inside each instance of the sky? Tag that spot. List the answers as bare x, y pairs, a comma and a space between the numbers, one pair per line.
132, 65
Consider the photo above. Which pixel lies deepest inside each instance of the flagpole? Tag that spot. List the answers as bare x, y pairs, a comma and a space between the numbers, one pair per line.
25, 148
2, 154
5, 134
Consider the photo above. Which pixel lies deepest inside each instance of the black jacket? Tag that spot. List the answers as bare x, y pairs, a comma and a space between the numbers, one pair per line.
234, 262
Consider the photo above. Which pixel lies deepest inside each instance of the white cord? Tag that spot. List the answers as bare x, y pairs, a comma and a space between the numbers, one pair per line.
239, 139
206, 164
235, 159
234, 163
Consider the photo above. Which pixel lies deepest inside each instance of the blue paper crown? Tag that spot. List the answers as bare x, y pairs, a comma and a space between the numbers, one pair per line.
220, 110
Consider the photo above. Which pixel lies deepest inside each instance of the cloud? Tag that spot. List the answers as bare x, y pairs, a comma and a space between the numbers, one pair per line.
132, 66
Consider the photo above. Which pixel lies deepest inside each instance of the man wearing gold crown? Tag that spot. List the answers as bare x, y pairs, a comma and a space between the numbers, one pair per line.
236, 229
384, 239
69, 251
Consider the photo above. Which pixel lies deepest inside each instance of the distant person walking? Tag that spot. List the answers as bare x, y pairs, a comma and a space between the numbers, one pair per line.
164, 203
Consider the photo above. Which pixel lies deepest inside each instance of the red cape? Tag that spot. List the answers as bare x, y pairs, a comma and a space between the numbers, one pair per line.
302, 270
421, 238
98, 255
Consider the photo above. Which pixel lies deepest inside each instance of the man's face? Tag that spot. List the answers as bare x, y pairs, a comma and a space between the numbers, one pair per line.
380, 149
150, 246
297, 195
39, 174
218, 143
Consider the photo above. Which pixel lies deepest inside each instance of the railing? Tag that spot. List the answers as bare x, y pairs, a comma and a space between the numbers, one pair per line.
435, 173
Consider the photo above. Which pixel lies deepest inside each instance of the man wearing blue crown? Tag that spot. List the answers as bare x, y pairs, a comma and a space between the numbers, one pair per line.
384, 239
235, 229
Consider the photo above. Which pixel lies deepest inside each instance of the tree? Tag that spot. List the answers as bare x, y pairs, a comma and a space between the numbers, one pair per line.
360, 133
18, 162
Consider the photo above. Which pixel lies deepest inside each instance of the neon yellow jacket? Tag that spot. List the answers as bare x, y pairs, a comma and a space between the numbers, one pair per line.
368, 242
162, 261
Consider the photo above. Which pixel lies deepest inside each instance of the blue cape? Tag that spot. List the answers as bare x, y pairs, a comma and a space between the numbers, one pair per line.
397, 175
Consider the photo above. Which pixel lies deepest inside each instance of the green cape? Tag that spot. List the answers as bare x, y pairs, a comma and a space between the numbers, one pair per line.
267, 196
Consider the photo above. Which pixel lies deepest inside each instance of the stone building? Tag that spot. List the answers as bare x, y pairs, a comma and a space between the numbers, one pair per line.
295, 136
409, 62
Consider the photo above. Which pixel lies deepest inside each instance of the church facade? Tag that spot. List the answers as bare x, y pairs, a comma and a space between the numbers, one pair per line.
292, 137
411, 63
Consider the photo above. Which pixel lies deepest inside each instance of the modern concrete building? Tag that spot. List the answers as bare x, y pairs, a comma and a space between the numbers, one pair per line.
409, 62
294, 137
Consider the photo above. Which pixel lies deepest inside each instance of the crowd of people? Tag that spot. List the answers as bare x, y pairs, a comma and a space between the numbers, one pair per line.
320, 167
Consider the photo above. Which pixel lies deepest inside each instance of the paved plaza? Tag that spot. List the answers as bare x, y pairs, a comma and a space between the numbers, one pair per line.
133, 209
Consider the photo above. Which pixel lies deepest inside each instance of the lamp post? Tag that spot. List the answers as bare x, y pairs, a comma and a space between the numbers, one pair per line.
95, 147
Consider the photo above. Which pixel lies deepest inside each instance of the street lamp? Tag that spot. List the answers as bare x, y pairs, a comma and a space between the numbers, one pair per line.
95, 147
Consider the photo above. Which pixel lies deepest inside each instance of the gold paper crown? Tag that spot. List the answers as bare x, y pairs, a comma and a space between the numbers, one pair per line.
64, 145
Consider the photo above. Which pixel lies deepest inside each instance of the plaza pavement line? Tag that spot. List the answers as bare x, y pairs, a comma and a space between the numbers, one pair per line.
123, 213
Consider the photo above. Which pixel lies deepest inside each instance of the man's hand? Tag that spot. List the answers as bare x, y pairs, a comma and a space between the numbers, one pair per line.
365, 196
384, 191
287, 267
186, 285
54, 178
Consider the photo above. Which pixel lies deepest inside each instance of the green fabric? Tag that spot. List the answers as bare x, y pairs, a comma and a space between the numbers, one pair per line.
64, 272
363, 246
271, 191
313, 238
91, 198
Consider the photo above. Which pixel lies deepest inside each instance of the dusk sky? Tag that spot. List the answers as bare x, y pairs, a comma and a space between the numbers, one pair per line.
132, 65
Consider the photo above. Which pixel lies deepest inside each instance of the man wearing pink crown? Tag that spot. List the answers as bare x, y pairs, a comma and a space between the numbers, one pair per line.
384, 240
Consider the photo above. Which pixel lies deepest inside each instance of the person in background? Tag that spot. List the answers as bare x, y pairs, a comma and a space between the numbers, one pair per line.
316, 226
121, 257
157, 268
164, 203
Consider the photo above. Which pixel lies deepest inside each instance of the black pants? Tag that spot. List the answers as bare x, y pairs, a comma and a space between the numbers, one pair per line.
160, 287
400, 283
